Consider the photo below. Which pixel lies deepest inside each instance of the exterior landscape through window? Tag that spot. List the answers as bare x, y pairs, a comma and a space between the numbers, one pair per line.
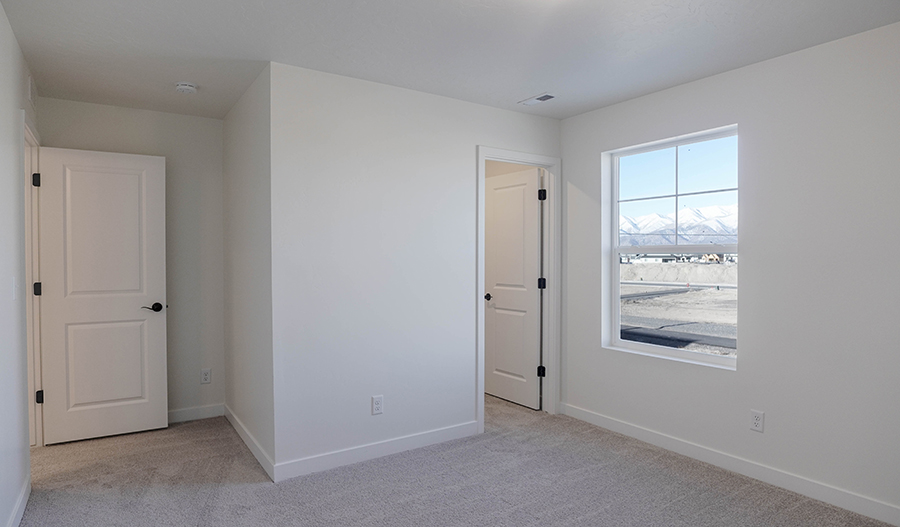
676, 257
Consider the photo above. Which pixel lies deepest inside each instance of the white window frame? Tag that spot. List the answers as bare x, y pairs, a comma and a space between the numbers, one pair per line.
614, 340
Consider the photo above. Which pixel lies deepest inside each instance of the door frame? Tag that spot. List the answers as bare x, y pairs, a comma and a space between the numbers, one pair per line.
31, 146
550, 393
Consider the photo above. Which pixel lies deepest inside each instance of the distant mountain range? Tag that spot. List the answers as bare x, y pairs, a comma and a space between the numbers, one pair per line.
695, 226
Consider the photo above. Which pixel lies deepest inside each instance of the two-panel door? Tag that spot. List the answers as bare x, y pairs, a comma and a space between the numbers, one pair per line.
512, 269
102, 268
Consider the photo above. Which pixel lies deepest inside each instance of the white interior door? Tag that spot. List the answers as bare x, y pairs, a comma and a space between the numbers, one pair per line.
512, 268
102, 257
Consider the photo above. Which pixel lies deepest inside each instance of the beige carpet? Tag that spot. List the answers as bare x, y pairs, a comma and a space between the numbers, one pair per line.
528, 469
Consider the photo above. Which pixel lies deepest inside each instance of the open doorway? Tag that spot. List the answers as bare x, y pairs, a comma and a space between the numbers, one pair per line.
518, 278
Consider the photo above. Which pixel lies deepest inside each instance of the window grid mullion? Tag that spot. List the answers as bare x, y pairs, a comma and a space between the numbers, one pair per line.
711, 248
684, 194
677, 149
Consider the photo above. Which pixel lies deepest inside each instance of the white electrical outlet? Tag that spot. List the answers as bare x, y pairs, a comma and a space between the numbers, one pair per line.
377, 404
206, 376
757, 420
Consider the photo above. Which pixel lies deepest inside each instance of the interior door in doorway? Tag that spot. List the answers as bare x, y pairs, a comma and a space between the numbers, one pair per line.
103, 293
512, 268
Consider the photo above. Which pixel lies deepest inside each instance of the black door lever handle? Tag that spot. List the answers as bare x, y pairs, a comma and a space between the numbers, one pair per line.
156, 307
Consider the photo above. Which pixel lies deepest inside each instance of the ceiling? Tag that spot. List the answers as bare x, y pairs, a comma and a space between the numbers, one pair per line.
589, 53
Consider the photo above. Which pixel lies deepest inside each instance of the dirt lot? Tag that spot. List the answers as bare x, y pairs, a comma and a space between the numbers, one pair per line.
697, 305
696, 310
699, 273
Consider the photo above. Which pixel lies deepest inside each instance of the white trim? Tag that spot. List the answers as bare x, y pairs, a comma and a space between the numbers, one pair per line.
611, 251
329, 460
19, 510
553, 293
722, 362
32, 274
196, 412
814, 489
255, 448
32, 127
480, 194
686, 139
552, 272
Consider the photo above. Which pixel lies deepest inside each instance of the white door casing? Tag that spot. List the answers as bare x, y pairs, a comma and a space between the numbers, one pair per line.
32, 304
102, 257
512, 269
551, 394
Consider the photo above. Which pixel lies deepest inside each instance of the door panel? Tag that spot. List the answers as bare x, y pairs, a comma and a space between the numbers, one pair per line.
510, 350
103, 236
107, 363
512, 267
102, 257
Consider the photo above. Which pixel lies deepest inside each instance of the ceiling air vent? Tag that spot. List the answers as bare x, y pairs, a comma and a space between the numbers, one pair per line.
537, 99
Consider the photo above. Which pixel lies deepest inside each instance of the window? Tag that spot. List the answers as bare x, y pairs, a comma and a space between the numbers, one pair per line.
675, 248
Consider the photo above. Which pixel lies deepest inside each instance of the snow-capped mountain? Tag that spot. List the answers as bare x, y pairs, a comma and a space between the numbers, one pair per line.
695, 226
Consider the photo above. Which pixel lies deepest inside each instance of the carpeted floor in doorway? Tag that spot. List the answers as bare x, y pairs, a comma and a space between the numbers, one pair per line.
527, 469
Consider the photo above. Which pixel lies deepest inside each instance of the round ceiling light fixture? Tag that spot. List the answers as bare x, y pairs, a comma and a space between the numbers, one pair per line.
186, 87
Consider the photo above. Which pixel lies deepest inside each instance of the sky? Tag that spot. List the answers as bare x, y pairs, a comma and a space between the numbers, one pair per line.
703, 166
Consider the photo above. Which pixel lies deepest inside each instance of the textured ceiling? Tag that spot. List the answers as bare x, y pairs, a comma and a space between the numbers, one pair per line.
589, 53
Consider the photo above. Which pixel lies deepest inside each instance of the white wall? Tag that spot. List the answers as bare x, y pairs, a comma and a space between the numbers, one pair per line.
15, 474
819, 132
373, 262
194, 234
248, 271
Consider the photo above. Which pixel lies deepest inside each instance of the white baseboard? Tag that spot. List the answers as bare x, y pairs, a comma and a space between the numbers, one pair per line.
820, 491
317, 463
258, 451
196, 412
19, 510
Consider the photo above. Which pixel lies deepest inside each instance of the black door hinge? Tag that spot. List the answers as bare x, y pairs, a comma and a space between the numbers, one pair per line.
542, 194
37, 289
36, 179
542, 371
542, 283
39, 397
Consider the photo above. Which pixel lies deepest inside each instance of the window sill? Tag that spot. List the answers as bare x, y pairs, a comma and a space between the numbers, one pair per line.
690, 357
